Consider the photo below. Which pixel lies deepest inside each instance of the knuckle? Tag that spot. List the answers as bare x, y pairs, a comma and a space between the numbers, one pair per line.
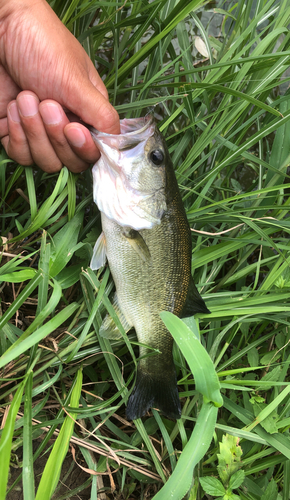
17, 152
23, 158
58, 141
76, 168
111, 119
3, 127
50, 169
48, 162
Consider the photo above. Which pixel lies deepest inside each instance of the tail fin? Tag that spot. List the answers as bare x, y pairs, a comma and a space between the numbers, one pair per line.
154, 391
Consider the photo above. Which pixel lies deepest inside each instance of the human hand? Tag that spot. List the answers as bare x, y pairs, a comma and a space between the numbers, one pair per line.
38, 53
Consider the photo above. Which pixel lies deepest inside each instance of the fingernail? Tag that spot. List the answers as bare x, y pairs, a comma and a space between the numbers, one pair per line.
28, 105
51, 114
13, 112
76, 137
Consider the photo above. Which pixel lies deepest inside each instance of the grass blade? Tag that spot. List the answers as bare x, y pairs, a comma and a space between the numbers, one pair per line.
53, 466
28, 474
6, 439
50, 326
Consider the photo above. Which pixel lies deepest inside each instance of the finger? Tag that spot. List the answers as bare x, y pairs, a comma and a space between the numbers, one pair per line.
96, 80
15, 143
55, 120
3, 126
9, 91
40, 147
81, 142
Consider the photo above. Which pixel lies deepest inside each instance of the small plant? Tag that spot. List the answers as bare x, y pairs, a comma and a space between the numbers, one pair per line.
229, 463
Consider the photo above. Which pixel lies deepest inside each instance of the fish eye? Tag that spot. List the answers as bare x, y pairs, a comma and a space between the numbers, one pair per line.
157, 157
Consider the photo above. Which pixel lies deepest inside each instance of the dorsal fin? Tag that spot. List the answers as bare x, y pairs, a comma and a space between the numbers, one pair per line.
194, 302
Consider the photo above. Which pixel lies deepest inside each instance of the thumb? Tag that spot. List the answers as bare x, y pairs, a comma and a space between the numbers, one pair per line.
87, 102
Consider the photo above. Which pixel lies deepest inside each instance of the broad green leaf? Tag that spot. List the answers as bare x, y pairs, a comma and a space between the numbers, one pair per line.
19, 276
271, 491
180, 481
206, 379
69, 276
253, 357
212, 486
270, 422
237, 479
65, 244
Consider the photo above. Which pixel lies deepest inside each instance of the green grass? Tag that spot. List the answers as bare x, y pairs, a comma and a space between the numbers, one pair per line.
226, 119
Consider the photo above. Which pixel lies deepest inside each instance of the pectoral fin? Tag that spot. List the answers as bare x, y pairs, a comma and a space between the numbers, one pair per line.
137, 242
99, 253
109, 329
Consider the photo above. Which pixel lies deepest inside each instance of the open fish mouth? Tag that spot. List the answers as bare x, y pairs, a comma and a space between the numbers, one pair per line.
131, 127
133, 131
117, 190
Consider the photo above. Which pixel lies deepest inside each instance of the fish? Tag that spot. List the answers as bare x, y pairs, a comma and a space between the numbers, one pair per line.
146, 240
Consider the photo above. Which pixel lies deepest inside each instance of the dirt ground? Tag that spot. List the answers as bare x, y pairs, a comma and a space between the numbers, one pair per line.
72, 477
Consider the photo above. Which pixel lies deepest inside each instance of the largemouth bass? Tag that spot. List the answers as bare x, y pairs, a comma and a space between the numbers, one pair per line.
147, 241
